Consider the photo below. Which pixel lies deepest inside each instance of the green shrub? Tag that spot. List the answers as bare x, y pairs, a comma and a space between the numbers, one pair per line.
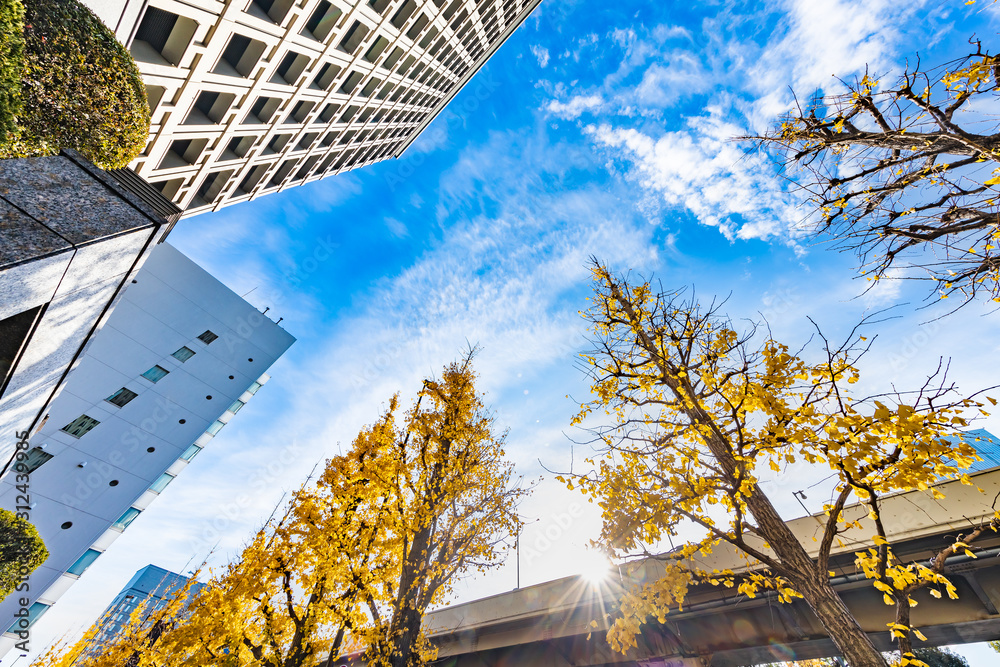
80, 89
21, 551
11, 65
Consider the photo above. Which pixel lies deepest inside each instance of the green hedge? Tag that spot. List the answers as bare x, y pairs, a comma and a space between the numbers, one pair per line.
11, 65
80, 88
21, 551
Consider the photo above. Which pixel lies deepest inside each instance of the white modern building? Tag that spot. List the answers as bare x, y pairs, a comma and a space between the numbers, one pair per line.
249, 97
177, 359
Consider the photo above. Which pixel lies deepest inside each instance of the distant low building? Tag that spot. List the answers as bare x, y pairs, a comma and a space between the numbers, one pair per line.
987, 446
150, 588
177, 359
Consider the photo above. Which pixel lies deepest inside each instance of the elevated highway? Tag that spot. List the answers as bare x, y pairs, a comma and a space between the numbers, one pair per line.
550, 624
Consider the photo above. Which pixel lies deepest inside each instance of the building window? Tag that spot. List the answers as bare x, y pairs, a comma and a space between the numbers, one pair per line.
210, 108
215, 428
277, 144
81, 425
14, 331
351, 82
323, 20
33, 460
207, 337
162, 37
353, 37
290, 68
240, 56
325, 77
190, 453
125, 519
155, 374
161, 482
83, 562
262, 110
121, 397
252, 389
183, 354
403, 14
235, 407
35, 612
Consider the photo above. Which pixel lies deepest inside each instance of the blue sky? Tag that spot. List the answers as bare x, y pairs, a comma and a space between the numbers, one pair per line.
598, 129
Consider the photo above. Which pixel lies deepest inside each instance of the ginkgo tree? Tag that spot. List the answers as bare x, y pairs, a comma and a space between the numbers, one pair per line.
358, 557
905, 172
690, 414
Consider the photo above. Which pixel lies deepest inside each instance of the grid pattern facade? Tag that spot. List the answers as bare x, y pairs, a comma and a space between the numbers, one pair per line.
151, 587
250, 97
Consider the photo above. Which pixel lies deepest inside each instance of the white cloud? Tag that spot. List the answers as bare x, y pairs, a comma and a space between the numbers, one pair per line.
701, 169
397, 228
541, 53
744, 86
823, 41
575, 107
664, 84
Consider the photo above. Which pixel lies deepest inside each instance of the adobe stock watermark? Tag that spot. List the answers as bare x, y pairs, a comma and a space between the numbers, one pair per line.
914, 344
454, 113
22, 617
555, 528
260, 481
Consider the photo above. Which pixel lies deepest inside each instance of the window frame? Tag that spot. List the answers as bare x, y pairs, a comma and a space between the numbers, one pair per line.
161, 482
86, 422
124, 391
26, 468
85, 561
152, 371
127, 517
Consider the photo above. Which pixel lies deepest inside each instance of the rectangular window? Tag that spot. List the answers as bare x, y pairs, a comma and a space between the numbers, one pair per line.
121, 397
125, 519
183, 354
207, 337
81, 425
235, 407
156, 373
403, 14
190, 453
161, 482
254, 387
33, 460
83, 562
35, 612
353, 37
215, 428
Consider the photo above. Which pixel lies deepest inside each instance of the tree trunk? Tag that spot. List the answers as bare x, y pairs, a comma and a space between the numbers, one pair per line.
405, 637
814, 586
838, 621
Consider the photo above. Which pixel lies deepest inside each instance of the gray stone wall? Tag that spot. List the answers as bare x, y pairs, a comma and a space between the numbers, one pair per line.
71, 237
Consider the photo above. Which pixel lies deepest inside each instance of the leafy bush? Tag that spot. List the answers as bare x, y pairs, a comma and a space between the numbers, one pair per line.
11, 64
21, 551
80, 88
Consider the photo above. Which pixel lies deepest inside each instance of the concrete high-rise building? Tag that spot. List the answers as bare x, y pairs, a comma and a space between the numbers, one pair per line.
149, 589
249, 97
179, 356
71, 238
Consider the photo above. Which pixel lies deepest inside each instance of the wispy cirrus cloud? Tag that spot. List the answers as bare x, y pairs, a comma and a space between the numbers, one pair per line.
732, 82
